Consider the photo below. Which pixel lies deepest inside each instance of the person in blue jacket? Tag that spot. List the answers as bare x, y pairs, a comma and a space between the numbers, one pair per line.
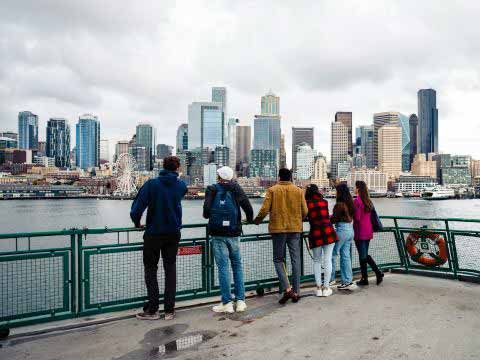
162, 198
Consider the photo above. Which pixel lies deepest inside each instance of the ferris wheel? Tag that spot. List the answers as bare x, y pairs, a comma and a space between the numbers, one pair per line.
124, 171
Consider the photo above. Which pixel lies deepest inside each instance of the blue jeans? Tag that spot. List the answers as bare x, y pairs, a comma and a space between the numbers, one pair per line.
225, 249
362, 248
343, 247
322, 255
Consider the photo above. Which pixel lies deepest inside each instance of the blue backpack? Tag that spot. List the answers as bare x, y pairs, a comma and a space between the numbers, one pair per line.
224, 212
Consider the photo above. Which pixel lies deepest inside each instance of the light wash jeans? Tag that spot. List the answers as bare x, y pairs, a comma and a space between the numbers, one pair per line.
225, 249
343, 247
322, 254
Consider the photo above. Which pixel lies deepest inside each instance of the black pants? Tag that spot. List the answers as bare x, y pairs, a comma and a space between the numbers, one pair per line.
167, 244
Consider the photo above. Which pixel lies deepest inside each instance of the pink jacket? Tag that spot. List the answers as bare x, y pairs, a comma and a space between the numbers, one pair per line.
362, 223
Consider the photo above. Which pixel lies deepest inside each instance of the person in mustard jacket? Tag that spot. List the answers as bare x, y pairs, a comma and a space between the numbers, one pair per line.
286, 206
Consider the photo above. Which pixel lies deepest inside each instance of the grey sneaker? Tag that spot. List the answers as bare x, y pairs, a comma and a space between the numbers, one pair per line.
145, 315
169, 316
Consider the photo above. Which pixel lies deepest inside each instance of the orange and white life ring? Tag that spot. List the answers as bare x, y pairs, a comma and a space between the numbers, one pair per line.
427, 258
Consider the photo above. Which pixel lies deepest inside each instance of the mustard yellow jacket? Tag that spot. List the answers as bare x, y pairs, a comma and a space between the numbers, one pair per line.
285, 203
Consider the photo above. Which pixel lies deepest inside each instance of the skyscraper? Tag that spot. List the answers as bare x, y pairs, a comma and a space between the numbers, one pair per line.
27, 130
231, 141
206, 125
58, 142
379, 120
104, 151
264, 163
405, 125
367, 145
340, 143
413, 122
427, 121
121, 147
270, 104
266, 132
305, 157
146, 137
164, 150
346, 119
243, 143
390, 150
283, 152
182, 138
320, 176
88, 142
219, 95
300, 135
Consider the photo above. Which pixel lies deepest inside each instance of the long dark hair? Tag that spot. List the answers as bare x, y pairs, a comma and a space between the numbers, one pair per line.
364, 195
344, 196
311, 191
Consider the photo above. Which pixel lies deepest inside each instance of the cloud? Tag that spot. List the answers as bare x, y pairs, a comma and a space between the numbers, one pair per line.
134, 61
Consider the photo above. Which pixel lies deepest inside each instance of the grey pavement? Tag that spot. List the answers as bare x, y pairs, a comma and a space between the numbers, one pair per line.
407, 317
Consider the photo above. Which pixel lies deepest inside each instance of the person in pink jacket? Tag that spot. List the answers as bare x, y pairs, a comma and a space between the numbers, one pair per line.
363, 232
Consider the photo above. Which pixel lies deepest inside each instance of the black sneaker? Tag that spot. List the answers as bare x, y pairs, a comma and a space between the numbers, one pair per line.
349, 286
147, 315
295, 297
380, 278
362, 282
286, 295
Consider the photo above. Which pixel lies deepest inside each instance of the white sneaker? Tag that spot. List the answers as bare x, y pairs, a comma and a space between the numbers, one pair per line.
350, 286
327, 292
319, 293
224, 308
241, 306
333, 282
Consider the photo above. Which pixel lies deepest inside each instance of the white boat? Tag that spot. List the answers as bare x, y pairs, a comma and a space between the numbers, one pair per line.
438, 193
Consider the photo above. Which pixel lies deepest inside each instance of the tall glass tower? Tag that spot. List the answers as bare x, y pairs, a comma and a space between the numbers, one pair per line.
88, 142
27, 130
146, 137
58, 141
427, 121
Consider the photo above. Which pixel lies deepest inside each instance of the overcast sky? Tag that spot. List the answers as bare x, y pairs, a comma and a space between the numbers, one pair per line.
145, 61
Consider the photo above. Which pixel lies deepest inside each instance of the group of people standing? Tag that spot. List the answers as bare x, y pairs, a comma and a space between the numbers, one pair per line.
287, 207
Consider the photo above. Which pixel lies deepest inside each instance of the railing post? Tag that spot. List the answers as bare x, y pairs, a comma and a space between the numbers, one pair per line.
209, 264
400, 245
80, 275
452, 249
73, 273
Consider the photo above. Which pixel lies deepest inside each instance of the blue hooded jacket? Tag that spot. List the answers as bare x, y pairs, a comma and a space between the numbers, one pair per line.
162, 196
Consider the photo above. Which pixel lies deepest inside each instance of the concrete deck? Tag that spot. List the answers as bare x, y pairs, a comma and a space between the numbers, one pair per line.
407, 317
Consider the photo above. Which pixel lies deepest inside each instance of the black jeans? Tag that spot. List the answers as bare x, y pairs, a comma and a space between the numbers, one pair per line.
167, 244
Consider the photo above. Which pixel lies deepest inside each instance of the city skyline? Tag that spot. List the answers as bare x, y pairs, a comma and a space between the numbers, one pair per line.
44, 66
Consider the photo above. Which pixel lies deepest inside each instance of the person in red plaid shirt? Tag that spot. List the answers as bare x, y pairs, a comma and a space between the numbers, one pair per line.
322, 238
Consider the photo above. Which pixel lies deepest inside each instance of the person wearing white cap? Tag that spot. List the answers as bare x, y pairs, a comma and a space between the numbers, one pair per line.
222, 209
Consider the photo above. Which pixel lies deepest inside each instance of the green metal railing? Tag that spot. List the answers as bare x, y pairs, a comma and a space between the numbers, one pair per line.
55, 275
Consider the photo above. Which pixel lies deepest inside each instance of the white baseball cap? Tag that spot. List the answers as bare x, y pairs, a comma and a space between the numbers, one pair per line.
225, 173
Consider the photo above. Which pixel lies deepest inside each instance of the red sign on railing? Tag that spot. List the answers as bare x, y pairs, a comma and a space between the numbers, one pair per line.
190, 250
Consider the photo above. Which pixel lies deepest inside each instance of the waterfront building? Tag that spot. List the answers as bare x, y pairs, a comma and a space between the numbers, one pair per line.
413, 183
231, 141
141, 154
8, 143
320, 174
44, 161
15, 156
390, 150
367, 145
145, 136
206, 125
164, 150
423, 167
340, 144
379, 120
300, 136
427, 121
182, 138
456, 176
243, 147
264, 163
58, 142
88, 142
413, 123
27, 130
343, 168
475, 168
9, 134
270, 104
375, 180
305, 157
221, 156
209, 174
346, 119
104, 151
73, 157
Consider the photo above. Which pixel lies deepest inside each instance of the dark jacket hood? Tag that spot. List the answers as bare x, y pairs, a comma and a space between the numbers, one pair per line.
168, 177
